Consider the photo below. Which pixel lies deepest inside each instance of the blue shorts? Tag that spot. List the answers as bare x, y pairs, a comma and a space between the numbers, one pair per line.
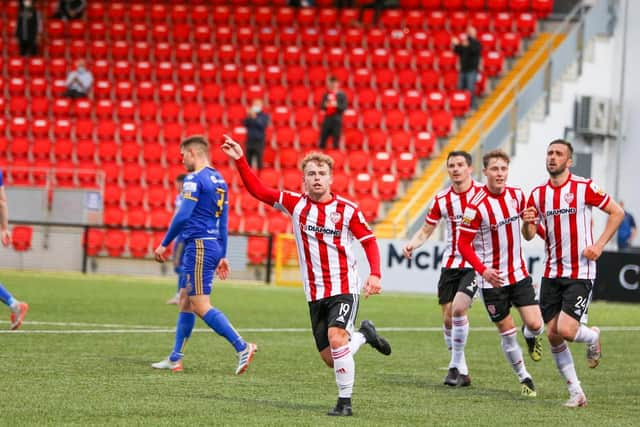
199, 263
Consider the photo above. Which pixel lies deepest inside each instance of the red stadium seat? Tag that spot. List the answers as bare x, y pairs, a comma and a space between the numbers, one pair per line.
459, 102
115, 242
405, 164
493, 62
387, 186
510, 44
526, 24
160, 217
257, 248
424, 144
136, 217
441, 123
93, 241
370, 206
21, 237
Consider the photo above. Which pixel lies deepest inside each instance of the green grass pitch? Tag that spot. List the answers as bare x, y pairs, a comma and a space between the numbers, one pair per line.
83, 358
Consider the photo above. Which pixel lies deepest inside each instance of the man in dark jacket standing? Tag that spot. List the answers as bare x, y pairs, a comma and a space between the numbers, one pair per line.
256, 123
468, 49
334, 102
28, 28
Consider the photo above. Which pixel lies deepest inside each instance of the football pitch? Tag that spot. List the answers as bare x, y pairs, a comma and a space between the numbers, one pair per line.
83, 357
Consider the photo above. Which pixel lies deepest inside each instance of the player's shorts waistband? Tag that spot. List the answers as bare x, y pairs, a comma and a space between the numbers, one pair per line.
193, 239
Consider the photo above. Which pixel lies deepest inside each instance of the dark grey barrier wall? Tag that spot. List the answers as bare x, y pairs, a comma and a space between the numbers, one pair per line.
618, 277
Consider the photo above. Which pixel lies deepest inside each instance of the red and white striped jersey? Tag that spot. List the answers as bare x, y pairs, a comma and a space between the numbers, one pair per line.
449, 206
565, 213
324, 234
495, 220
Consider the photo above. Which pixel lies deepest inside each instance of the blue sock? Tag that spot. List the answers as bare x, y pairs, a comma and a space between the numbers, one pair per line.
219, 323
184, 326
5, 296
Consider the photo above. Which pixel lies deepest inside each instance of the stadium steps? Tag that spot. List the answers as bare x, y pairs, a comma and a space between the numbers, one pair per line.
424, 188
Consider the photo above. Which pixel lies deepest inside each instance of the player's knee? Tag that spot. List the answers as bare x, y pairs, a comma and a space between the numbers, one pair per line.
566, 331
338, 337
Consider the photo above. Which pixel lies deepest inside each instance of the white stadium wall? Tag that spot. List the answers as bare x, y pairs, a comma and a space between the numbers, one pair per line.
601, 77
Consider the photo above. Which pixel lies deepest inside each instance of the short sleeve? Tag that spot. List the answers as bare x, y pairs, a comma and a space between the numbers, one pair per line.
288, 200
595, 196
359, 226
435, 214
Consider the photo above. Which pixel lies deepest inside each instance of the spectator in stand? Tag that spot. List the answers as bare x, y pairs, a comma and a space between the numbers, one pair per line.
468, 48
334, 102
70, 9
256, 123
79, 81
28, 28
627, 230
377, 6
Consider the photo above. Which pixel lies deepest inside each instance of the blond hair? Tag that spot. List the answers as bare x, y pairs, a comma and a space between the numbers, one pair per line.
319, 158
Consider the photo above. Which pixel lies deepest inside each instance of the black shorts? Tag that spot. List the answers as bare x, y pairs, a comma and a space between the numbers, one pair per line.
454, 280
339, 311
498, 301
561, 294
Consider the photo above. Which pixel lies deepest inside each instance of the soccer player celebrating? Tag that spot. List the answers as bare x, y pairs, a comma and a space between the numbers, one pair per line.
18, 308
496, 254
202, 222
457, 284
325, 226
563, 206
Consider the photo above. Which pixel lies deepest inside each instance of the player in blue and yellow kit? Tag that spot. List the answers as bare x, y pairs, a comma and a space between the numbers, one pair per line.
18, 309
178, 243
202, 223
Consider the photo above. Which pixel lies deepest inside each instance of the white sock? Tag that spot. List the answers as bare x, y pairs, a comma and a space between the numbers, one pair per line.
513, 353
15, 306
460, 332
345, 369
528, 333
357, 339
447, 337
586, 335
564, 362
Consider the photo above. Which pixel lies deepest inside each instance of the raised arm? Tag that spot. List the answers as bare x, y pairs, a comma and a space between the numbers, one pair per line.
258, 190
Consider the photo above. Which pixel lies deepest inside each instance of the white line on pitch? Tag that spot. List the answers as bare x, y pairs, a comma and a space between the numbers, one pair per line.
157, 330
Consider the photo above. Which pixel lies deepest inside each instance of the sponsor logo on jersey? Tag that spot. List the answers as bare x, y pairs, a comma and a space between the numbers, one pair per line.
504, 222
310, 228
562, 211
189, 187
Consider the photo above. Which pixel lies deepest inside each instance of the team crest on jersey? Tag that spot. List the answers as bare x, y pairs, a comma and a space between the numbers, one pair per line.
335, 217
569, 197
514, 203
491, 309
